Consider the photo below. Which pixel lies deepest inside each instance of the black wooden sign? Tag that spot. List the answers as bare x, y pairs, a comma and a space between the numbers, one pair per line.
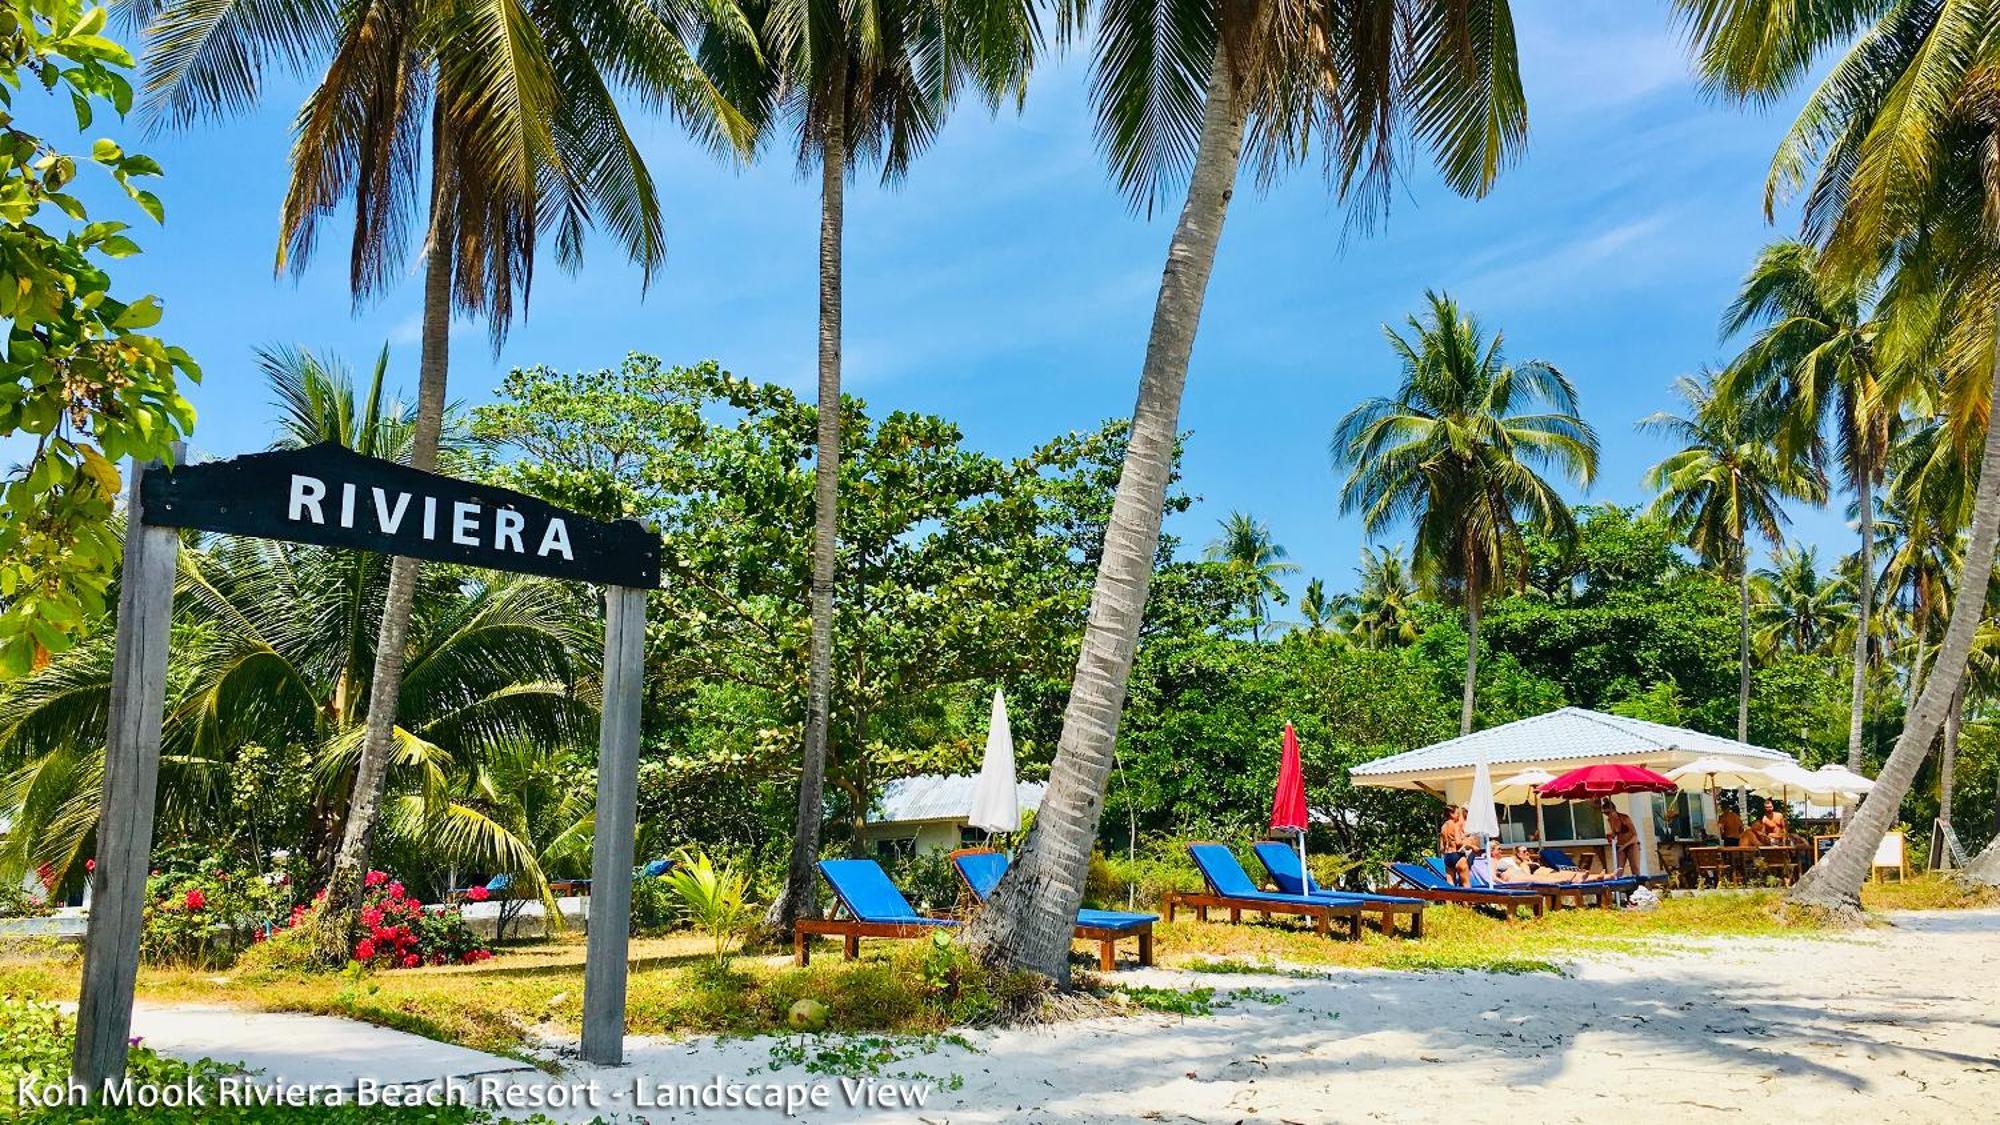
333, 497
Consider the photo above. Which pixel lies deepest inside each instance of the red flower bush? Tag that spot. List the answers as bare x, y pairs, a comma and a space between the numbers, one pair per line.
398, 934
478, 894
196, 900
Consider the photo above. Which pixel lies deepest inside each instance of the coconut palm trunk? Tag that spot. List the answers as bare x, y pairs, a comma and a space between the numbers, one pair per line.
1864, 597
800, 895
1948, 755
1471, 694
1835, 882
350, 863
1029, 922
1742, 641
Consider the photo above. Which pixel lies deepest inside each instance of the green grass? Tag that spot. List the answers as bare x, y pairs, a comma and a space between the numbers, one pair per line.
911, 989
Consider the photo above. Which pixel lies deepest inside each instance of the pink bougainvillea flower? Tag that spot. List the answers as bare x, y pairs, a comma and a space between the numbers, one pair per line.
375, 878
196, 900
364, 950
478, 894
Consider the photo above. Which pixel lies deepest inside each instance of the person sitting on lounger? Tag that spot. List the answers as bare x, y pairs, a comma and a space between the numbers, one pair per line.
1520, 866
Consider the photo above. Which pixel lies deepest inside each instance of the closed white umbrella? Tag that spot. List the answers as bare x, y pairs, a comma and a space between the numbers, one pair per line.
1480, 818
996, 801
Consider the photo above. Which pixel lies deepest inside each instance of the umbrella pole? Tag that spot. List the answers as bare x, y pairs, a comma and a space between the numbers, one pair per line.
1305, 873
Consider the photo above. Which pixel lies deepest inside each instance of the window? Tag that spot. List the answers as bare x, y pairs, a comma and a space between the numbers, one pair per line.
895, 847
970, 837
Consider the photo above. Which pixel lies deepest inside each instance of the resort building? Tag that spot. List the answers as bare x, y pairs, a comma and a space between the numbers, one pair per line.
1560, 741
931, 813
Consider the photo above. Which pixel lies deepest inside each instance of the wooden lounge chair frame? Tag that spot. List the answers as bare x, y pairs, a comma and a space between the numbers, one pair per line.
1106, 937
1466, 896
850, 930
1322, 914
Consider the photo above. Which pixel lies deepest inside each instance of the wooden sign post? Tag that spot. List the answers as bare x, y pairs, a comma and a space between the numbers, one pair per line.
333, 497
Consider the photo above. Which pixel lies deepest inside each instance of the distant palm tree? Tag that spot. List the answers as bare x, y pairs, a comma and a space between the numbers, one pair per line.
1728, 479
1381, 612
1317, 609
1797, 608
1453, 454
1814, 359
1246, 547
858, 83
484, 126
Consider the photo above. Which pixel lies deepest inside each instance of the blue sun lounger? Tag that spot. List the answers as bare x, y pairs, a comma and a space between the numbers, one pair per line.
1600, 891
875, 908
1230, 888
1282, 864
981, 869
1420, 881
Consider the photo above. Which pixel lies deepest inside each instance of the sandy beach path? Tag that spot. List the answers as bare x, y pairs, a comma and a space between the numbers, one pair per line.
1896, 1023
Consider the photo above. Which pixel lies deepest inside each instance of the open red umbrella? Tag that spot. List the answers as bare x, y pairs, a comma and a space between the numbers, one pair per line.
1604, 780
1288, 804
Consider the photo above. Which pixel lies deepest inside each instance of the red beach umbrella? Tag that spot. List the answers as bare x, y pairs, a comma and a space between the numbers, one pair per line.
1288, 804
1604, 780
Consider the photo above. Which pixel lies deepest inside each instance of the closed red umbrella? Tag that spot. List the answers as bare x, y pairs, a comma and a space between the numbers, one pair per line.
1604, 780
1288, 804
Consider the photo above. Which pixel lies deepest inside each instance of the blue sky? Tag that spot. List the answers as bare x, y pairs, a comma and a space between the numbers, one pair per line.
1007, 286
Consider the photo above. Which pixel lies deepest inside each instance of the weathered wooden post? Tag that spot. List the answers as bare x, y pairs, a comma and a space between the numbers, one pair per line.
125, 808
611, 853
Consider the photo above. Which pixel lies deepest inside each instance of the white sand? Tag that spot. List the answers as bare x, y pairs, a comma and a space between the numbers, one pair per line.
1891, 1024
1897, 1024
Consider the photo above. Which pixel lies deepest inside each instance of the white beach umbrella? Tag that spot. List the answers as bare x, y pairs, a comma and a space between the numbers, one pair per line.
1704, 774
1480, 818
1839, 778
1521, 788
996, 801
1790, 782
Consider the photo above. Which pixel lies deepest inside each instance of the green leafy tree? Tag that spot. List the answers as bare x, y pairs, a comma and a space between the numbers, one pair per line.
1891, 148
1179, 87
1453, 453
81, 384
1246, 547
484, 126
1728, 479
863, 84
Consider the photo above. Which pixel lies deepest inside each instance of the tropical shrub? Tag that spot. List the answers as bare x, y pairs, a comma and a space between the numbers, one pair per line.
16, 901
712, 899
928, 881
398, 933
205, 917
655, 906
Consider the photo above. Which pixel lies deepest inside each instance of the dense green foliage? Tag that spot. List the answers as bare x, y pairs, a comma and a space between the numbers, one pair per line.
79, 378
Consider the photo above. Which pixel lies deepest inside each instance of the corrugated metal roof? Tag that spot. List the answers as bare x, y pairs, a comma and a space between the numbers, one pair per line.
939, 797
1571, 734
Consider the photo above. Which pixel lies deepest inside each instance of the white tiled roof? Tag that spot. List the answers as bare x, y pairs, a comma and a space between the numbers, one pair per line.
939, 797
1571, 734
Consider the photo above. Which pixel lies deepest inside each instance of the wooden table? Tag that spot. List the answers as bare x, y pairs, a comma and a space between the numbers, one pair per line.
1737, 865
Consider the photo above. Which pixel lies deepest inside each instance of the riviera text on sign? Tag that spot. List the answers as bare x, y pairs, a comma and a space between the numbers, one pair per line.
334, 497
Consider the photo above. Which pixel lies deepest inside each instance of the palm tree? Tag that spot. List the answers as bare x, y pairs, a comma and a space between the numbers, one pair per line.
1797, 607
1247, 549
1381, 612
1891, 148
863, 84
273, 650
1449, 453
1814, 360
518, 106
1318, 610
1728, 480
1179, 87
